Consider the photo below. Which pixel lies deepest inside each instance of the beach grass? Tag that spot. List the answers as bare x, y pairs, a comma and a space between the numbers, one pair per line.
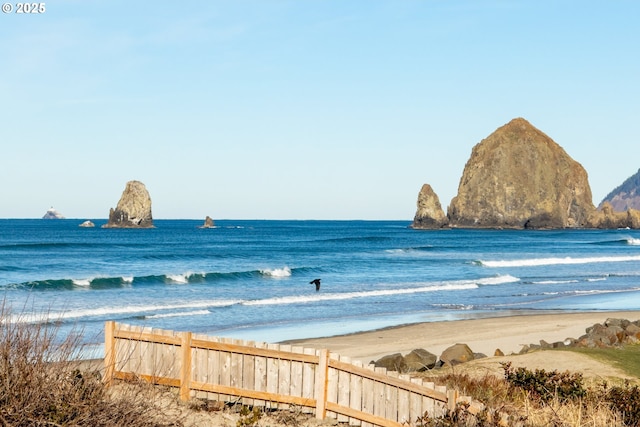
626, 358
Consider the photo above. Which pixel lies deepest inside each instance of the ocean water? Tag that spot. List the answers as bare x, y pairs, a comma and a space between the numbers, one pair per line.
250, 279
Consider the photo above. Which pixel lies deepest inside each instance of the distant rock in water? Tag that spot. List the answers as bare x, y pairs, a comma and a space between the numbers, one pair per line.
625, 196
87, 224
208, 223
429, 214
53, 214
518, 177
133, 209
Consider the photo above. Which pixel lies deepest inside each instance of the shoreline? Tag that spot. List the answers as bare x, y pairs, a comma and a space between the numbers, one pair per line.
482, 335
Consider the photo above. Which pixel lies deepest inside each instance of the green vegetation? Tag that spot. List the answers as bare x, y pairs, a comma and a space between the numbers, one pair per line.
626, 358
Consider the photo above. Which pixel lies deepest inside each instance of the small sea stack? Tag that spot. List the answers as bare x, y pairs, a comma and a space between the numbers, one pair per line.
133, 209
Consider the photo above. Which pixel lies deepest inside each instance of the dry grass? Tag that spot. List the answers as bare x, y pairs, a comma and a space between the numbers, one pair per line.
41, 383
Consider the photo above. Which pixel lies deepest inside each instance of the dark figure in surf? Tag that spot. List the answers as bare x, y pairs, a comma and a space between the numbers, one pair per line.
317, 283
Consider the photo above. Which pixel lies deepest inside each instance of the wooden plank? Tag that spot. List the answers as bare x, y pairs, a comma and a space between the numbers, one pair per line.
273, 366
109, 353
368, 395
257, 395
260, 375
137, 335
200, 367
440, 406
235, 367
429, 404
296, 378
213, 372
391, 399
308, 377
404, 401
355, 394
343, 388
185, 367
248, 375
368, 418
321, 380
332, 384
255, 351
386, 379
379, 403
225, 370
284, 375
415, 403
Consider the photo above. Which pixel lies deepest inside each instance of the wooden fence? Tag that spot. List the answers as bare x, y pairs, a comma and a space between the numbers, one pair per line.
273, 376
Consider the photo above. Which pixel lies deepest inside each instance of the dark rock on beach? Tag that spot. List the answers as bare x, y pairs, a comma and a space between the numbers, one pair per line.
133, 209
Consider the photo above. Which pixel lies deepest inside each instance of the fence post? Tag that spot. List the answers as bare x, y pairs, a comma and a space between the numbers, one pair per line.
452, 399
185, 370
322, 378
109, 352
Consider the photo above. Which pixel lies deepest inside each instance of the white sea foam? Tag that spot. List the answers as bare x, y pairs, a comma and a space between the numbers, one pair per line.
178, 314
111, 311
596, 279
179, 278
446, 286
555, 282
82, 282
127, 279
633, 242
537, 262
277, 272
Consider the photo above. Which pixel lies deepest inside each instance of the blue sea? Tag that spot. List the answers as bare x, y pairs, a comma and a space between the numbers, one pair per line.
250, 279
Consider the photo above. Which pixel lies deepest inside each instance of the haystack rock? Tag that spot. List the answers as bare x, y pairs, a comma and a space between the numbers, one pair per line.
52, 214
133, 209
518, 177
429, 214
625, 196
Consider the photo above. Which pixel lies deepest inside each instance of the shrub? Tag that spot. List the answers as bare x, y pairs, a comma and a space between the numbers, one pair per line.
546, 386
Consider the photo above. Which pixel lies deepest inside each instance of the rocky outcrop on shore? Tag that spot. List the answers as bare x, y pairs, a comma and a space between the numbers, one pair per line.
429, 214
133, 209
624, 197
611, 333
518, 177
606, 217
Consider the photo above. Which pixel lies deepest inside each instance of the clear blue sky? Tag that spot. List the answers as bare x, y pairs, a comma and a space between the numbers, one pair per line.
337, 109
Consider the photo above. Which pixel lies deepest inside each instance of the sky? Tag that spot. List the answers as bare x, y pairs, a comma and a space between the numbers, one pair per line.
307, 109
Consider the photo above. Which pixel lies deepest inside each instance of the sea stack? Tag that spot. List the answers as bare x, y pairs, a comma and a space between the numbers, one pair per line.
429, 214
208, 223
518, 177
52, 214
133, 209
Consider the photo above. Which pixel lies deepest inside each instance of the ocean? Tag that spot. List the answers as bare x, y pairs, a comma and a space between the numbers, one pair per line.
249, 279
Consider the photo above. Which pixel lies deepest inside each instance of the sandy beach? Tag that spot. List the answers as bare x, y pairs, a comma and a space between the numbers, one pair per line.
508, 334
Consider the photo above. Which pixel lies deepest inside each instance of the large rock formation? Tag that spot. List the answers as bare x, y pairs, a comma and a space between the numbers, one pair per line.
625, 196
133, 209
429, 214
518, 177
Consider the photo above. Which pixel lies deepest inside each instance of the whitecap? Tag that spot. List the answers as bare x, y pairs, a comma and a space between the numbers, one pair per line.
537, 262
82, 282
277, 272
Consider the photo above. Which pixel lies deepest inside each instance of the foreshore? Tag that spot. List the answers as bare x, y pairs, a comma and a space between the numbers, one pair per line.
509, 334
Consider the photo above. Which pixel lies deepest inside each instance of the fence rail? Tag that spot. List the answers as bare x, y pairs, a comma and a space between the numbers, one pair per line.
273, 376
